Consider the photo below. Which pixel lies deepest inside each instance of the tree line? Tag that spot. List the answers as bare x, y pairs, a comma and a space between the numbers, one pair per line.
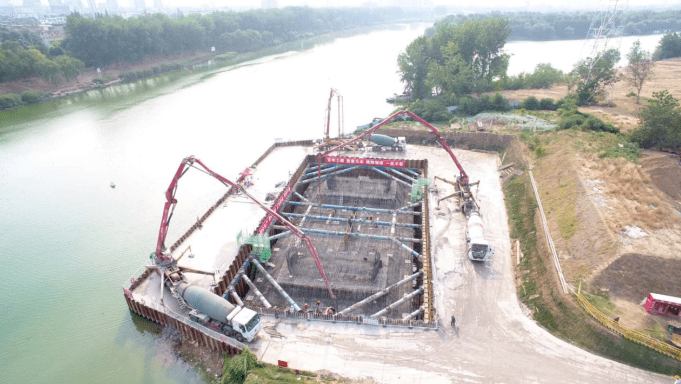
23, 55
106, 40
538, 26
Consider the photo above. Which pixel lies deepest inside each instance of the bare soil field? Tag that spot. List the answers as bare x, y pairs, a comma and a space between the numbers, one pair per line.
633, 276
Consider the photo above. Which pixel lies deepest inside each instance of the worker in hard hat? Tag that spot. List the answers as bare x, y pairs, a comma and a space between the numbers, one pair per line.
678, 379
305, 307
453, 321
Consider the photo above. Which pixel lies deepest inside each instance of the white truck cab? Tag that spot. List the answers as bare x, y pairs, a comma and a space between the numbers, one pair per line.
245, 322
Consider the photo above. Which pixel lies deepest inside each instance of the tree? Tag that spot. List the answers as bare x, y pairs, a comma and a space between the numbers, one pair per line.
640, 68
668, 47
591, 76
660, 123
413, 64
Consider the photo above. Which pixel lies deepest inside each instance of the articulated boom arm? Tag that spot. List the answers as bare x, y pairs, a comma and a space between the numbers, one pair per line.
463, 178
171, 202
328, 113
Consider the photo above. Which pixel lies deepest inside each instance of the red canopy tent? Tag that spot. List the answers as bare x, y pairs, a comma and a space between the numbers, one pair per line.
663, 305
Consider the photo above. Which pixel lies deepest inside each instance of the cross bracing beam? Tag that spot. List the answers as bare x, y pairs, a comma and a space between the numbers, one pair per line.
338, 233
344, 220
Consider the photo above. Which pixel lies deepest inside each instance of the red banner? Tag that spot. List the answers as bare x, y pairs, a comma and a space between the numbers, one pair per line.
363, 161
277, 205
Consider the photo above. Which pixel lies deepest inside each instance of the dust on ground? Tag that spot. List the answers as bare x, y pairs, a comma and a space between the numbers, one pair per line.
623, 113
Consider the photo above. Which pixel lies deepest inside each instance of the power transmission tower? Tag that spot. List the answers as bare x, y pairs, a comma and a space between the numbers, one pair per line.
605, 33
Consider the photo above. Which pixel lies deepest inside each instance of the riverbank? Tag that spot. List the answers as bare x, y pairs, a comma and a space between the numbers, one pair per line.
109, 76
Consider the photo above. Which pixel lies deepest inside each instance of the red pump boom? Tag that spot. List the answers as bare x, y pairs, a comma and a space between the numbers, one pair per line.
171, 202
463, 178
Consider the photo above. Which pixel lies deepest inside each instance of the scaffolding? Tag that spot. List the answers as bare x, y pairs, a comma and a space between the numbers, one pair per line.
417, 189
260, 243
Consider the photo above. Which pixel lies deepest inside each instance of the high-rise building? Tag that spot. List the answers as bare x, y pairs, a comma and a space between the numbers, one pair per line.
139, 5
54, 3
111, 5
267, 4
92, 4
158, 4
31, 3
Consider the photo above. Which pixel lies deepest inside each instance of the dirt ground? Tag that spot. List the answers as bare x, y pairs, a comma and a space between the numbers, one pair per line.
626, 279
666, 75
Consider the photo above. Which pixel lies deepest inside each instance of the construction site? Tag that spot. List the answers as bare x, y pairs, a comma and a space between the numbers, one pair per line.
368, 237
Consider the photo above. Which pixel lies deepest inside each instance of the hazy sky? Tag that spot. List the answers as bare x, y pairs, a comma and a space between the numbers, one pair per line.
340, 3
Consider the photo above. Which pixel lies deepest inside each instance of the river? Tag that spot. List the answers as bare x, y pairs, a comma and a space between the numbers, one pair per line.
69, 241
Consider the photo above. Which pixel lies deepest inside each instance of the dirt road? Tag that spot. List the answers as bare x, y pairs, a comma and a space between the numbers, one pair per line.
494, 341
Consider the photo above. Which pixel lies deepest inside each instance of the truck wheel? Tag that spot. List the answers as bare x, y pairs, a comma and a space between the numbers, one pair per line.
240, 338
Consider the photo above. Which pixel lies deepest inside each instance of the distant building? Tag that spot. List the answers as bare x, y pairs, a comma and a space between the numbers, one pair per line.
31, 3
267, 4
158, 4
139, 5
8, 11
54, 3
111, 5
92, 4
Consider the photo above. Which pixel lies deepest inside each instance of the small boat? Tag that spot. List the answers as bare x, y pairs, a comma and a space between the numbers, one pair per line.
112, 185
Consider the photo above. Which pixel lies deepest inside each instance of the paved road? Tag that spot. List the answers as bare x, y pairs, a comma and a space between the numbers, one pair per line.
494, 341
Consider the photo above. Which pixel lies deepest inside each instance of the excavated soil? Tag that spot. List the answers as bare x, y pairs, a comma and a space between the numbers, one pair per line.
664, 170
633, 276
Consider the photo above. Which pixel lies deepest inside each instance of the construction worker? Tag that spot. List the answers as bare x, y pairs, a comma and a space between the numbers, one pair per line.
453, 321
305, 307
678, 379
318, 303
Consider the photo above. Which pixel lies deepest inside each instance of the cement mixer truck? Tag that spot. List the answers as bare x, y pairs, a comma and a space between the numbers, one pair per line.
477, 247
387, 143
219, 314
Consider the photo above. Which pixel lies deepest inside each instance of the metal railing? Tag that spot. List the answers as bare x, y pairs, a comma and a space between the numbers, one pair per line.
634, 336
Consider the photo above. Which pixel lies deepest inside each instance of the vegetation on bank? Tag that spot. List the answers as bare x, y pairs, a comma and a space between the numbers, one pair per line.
536, 26
245, 368
106, 40
23, 55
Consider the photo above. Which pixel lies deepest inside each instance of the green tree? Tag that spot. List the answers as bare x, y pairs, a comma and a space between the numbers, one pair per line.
640, 68
660, 123
413, 64
236, 368
668, 47
590, 77
69, 67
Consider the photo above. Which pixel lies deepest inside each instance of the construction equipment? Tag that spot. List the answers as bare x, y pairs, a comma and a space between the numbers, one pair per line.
327, 142
462, 178
164, 260
387, 143
477, 247
215, 312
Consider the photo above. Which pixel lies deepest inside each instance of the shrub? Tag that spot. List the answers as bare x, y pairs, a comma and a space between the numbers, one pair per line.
9, 100
237, 367
547, 104
101, 80
127, 76
500, 103
469, 106
569, 121
226, 56
30, 97
531, 104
